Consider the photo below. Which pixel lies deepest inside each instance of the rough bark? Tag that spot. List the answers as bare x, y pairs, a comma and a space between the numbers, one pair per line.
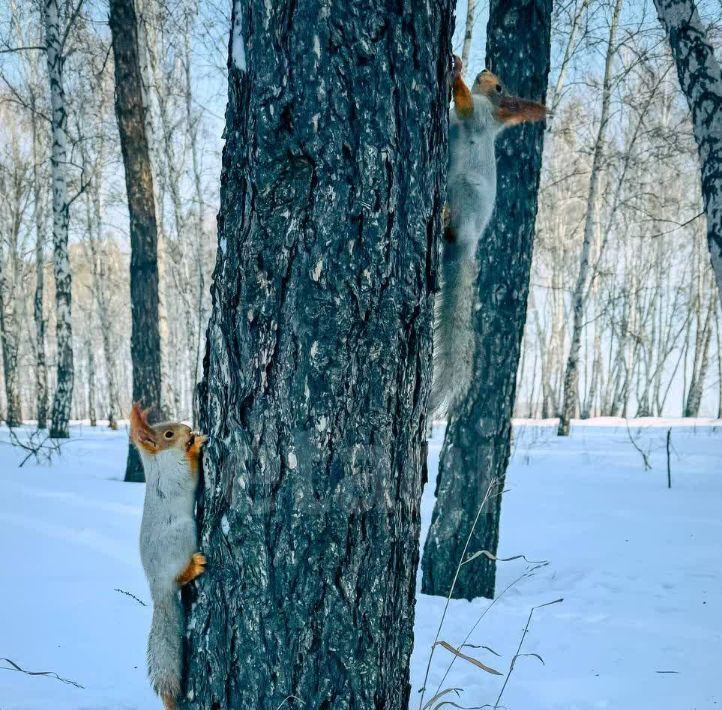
318, 361
700, 77
571, 372
41, 368
130, 113
63, 396
477, 444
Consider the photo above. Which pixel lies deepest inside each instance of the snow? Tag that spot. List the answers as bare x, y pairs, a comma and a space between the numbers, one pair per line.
238, 48
639, 568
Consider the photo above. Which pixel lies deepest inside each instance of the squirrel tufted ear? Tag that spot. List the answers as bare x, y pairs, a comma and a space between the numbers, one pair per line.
140, 431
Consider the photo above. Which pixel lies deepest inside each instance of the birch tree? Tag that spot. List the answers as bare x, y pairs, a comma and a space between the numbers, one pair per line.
318, 363
700, 77
571, 374
56, 35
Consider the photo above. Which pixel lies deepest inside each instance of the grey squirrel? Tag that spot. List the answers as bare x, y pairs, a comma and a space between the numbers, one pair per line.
168, 540
478, 116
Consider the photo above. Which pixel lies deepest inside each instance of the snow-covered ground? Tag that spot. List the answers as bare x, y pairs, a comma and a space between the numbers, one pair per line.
639, 568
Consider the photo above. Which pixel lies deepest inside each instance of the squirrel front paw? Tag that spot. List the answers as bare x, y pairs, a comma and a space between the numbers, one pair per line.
195, 567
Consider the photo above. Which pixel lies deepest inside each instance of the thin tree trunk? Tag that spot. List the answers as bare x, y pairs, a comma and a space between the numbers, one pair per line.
318, 364
700, 77
571, 374
130, 112
9, 339
193, 121
468, 34
63, 397
701, 364
91, 384
477, 444
41, 369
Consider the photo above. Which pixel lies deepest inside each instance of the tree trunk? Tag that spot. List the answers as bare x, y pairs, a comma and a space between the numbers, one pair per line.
700, 77
9, 339
318, 363
477, 445
63, 397
130, 112
571, 373
701, 363
91, 385
468, 35
41, 368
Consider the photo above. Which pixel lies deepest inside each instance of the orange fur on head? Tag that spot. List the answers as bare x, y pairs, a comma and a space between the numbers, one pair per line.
166, 435
509, 110
463, 103
141, 432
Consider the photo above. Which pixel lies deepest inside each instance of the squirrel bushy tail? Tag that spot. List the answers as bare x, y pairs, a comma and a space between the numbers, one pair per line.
453, 332
165, 647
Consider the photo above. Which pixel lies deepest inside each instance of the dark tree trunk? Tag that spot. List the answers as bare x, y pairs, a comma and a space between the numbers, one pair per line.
477, 444
700, 77
130, 112
318, 364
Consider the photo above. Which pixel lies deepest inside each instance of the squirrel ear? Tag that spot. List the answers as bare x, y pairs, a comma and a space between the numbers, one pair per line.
140, 432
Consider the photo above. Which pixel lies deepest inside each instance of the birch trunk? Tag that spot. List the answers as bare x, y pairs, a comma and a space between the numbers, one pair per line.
41, 368
9, 339
478, 435
130, 112
700, 77
468, 34
92, 415
571, 373
63, 397
318, 363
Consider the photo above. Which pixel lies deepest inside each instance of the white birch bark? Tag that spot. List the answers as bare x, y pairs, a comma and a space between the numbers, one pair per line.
63, 396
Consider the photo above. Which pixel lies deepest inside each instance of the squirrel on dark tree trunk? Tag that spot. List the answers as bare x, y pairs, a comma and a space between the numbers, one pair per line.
478, 116
168, 540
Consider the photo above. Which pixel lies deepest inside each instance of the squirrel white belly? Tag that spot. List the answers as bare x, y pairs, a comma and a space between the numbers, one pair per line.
478, 116
168, 540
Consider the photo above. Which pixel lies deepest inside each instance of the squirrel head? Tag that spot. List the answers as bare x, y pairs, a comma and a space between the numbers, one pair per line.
506, 109
152, 439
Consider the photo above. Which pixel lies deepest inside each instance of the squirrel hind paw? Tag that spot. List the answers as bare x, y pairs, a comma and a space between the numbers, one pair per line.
195, 568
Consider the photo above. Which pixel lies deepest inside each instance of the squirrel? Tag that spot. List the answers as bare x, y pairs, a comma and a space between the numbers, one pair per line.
478, 116
168, 539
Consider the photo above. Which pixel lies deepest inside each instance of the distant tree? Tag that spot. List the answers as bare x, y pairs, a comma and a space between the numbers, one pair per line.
700, 77
478, 435
15, 189
318, 362
130, 113
57, 30
581, 286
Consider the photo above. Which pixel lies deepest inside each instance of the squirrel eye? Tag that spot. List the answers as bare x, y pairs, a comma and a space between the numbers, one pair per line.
498, 88
168, 434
